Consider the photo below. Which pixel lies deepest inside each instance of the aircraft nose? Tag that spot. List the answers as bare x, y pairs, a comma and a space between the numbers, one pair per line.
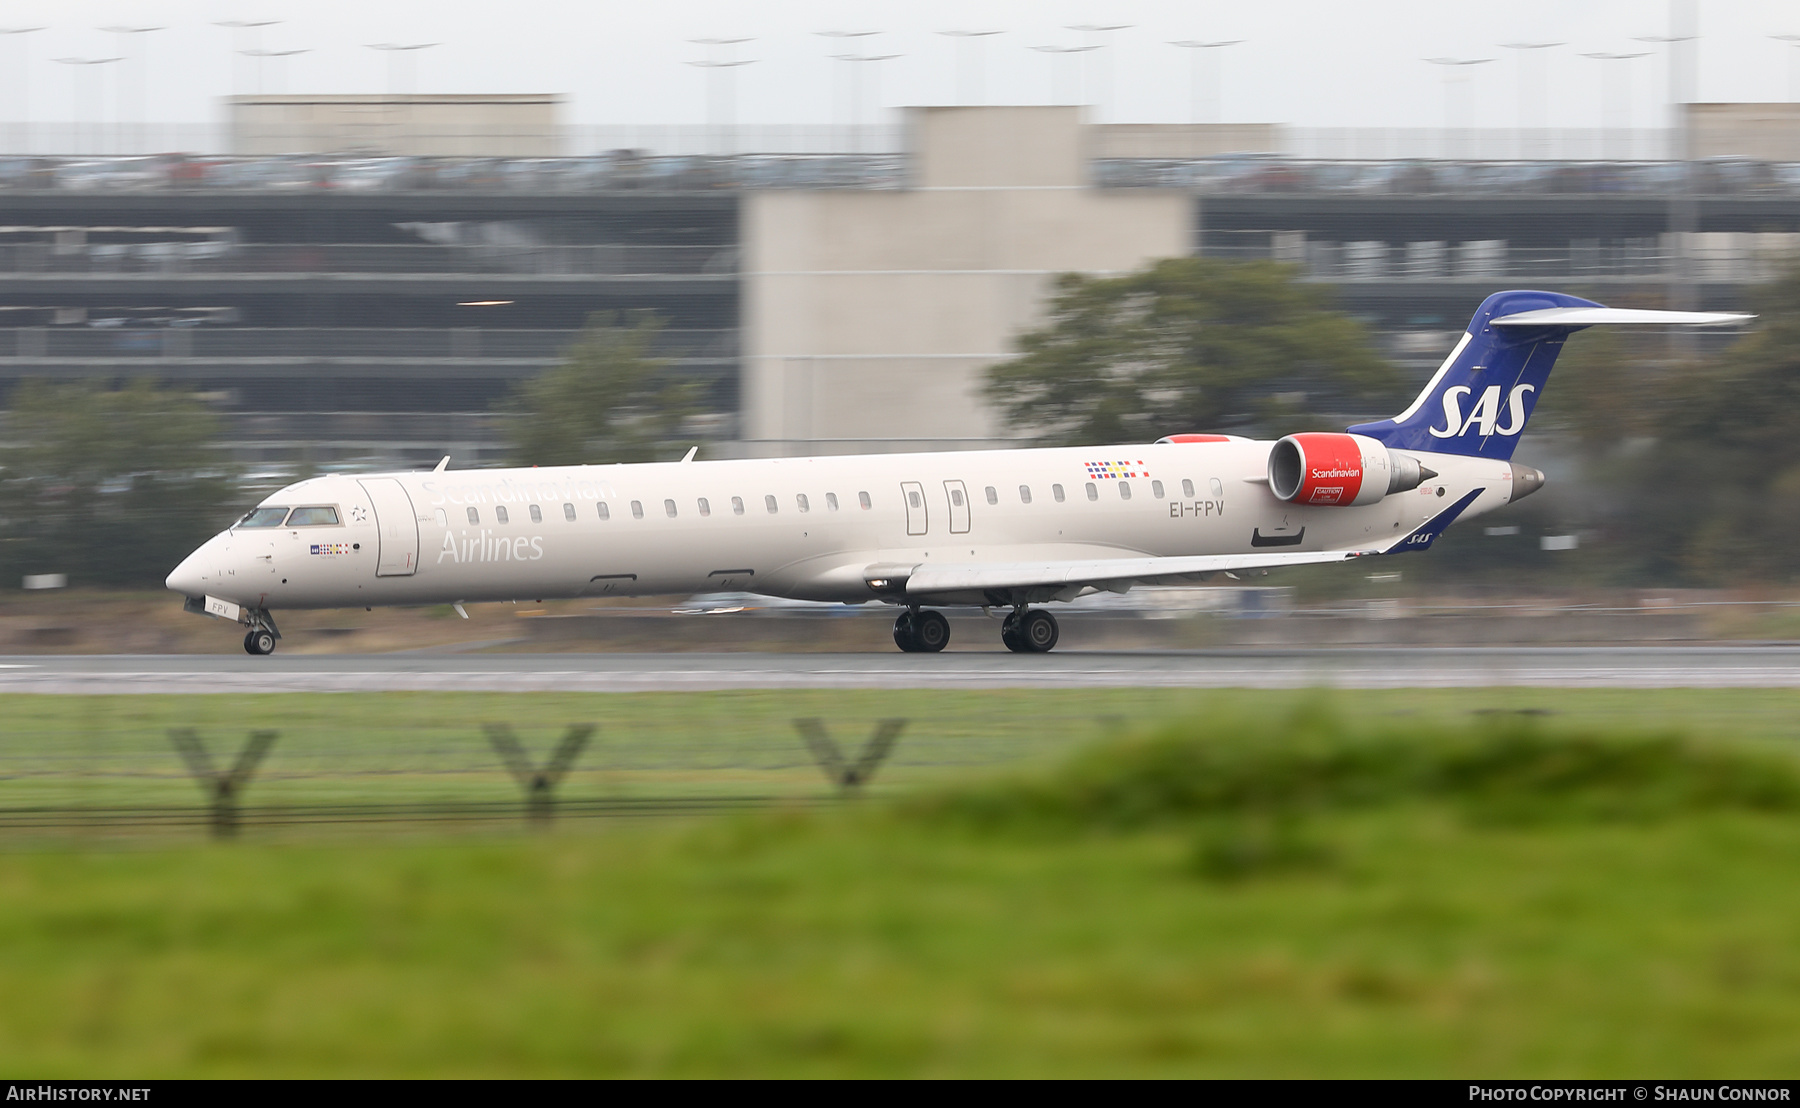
190, 577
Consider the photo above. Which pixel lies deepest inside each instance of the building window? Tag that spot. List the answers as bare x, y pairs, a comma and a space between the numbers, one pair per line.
737, 505
1124, 490
831, 501
800, 499
537, 514
1057, 492
500, 514
863, 499
1218, 490
993, 497
474, 517
669, 507
1024, 494
769, 503
1093, 491
569, 512
637, 509
605, 512
1156, 490
705, 508
1187, 488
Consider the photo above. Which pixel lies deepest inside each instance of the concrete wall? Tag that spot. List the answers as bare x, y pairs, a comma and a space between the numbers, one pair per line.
1766, 132
421, 126
868, 317
1185, 140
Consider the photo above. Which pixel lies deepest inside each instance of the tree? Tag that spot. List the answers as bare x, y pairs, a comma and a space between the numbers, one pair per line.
609, 400
1187, 344
112, 486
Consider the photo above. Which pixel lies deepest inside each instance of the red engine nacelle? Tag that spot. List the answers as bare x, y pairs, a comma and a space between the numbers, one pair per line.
1339, 470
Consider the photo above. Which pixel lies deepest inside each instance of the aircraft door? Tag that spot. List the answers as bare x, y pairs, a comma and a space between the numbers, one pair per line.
959, 507
917, 521
397, 525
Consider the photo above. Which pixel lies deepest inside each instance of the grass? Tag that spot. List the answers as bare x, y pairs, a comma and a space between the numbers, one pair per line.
1231, 884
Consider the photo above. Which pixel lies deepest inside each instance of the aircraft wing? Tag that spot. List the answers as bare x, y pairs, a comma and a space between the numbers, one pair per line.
1064, 580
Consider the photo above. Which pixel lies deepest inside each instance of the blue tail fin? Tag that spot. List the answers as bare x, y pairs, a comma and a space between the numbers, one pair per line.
1484, 393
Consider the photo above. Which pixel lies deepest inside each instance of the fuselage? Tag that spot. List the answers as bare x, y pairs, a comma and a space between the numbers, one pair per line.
805, 528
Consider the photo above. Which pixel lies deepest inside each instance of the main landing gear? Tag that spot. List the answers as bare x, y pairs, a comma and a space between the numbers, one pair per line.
1032, 631
921, 632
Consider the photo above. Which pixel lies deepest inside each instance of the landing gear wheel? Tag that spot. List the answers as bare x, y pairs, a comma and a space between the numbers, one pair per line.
931, 632
1039, 631
259, 641
903, 633
1010, 636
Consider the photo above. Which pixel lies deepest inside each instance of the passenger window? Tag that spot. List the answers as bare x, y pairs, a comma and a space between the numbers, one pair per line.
863, 499
737, 505
956, 497
800, 499
313, 517
705, 508
474, 516
1024, 494
500, 514
669, 507
769, 503
1056, 491
1156, 489
637, 509
537, 514
605, 512
1187, 488
1124, 490
1218, 490
569, 512
442, 519
913, 499
831, 501
264, 517
1093, 491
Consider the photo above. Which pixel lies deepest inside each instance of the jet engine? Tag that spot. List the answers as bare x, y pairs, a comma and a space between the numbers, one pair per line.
1341, 470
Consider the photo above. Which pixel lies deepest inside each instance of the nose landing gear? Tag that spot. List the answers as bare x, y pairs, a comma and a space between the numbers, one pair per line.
1030, 632
921, 632
260, 639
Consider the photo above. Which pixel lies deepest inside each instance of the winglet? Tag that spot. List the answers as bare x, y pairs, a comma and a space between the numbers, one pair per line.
443, 464
1422, 536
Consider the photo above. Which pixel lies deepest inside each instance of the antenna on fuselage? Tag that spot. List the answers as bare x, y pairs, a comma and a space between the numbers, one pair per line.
443, 464
689, 456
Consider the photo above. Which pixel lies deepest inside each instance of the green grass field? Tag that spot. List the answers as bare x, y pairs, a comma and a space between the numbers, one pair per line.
1124, 883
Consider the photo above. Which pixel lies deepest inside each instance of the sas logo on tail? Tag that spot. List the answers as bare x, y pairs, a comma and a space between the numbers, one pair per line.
1486, 416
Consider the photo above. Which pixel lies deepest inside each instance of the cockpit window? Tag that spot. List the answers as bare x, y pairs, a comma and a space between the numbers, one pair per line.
313, 517
264, 517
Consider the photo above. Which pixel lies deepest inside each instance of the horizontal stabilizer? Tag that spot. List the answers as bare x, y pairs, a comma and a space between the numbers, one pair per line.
1589, 317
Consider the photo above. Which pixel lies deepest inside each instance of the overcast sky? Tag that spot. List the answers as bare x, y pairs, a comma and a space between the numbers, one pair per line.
1307, 62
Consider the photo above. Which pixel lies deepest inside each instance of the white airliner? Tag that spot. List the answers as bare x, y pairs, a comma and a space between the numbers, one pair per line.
1002, 528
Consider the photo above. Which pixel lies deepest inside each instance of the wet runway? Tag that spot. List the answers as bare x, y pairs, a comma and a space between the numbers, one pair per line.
1748, 666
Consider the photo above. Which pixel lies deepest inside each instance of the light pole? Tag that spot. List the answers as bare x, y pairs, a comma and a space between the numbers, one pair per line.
1057, 55
260, 55
1672, 92
841, 93
1533, 108
856, 84
1615, 96
143, 87
1103, 96
721, 92
242, 29
969, 88
1793, 64
77, 66
1456, 73
1215, 109
395, 52
24, 71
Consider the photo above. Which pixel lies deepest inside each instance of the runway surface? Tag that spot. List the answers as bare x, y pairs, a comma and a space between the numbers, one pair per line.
1749, 666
